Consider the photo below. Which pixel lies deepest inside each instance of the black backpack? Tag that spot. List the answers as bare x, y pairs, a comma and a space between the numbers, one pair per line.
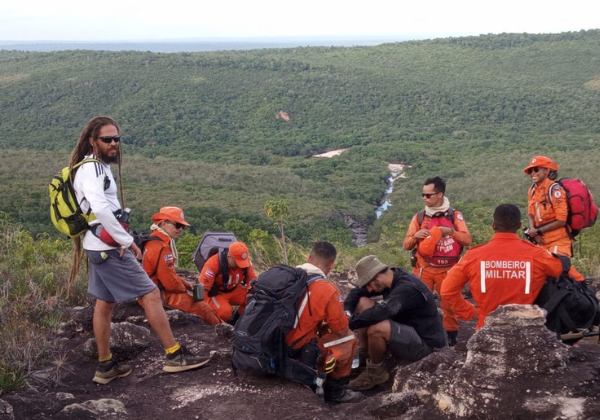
259, 345
571, 305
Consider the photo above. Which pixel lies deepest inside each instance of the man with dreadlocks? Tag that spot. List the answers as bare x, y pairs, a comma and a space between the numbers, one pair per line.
114, 273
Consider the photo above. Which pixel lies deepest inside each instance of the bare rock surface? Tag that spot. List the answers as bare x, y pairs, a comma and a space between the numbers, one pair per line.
511, 369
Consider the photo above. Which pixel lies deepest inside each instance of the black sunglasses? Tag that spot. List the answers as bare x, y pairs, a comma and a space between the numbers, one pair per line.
109, 139
429, 195
536, 170
177, 225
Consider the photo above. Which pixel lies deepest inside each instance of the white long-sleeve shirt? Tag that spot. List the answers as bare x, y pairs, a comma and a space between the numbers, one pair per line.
92, 192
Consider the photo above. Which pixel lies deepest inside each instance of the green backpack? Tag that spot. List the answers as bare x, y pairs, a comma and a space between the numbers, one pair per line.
65, 212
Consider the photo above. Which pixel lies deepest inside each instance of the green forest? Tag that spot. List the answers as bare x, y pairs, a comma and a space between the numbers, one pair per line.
225, 134
205, 130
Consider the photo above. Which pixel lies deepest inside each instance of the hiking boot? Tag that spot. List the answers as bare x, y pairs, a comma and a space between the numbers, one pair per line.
183, 360
371, 377
452, 338
109, 370
336, 392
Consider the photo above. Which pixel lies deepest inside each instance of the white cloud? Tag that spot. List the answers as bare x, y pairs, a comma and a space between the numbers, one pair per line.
137, 19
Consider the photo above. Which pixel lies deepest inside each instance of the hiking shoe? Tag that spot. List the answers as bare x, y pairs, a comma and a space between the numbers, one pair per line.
183, 360
452, 338
348, 396
370, 378
109, 370
335, 391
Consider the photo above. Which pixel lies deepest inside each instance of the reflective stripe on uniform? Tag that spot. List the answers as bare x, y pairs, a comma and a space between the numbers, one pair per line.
350, 336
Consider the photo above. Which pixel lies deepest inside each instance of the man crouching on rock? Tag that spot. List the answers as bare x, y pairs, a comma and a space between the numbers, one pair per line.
406, 322
321, 318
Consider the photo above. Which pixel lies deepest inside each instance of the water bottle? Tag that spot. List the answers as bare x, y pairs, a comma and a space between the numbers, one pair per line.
124, 218
356, 360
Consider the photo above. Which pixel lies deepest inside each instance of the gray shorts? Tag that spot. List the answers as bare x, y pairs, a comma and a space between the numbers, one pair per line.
117, 279
406, 344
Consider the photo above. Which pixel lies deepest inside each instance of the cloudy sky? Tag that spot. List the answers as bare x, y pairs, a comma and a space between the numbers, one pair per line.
112, 20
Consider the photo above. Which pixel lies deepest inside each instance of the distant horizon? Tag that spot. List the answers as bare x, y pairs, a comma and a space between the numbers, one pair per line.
217, 43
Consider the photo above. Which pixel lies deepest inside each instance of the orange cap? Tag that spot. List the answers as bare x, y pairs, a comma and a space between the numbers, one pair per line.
172, 214
239, 252
541, 162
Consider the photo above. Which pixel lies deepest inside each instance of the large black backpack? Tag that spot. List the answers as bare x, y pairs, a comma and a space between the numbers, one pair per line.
259, 344
570, 305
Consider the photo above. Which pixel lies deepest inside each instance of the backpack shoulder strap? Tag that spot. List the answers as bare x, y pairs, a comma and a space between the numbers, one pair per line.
553, 186
421, 217
314, 278
450, 216
223, 267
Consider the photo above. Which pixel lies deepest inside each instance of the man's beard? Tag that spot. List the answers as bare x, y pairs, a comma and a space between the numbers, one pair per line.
110, 159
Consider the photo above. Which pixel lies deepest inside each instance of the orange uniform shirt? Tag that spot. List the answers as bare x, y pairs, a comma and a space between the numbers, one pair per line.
503, 271
211, 274
159, 263
426, 247
544, 210
324, 304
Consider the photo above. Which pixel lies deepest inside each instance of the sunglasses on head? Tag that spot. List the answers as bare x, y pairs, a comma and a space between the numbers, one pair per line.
109, 139
428, 195
536, 170
177, 225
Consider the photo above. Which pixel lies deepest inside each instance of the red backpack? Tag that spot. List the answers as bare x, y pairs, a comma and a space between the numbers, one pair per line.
447, 251
582, 209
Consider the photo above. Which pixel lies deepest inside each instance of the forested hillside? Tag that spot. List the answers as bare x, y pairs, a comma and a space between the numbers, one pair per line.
208, 134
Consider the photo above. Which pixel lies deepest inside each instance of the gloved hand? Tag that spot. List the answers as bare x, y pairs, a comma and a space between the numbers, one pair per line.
214, 291
329, 364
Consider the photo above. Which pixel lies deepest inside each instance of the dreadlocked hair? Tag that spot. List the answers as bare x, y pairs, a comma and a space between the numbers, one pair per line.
83, 148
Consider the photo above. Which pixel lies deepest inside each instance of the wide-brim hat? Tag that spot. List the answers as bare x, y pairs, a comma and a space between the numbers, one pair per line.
170, 213
541, 162
367, 268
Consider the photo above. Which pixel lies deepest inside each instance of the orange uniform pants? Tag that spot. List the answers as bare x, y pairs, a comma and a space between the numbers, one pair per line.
185, 303
434, 282
223, 303
343, 353
563, 247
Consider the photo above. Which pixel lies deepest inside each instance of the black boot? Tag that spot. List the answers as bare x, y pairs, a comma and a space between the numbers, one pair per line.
336, 392
234, 317
452, 338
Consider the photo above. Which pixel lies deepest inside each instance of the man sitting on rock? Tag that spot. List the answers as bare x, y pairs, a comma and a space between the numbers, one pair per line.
160, 260
505, 270
406, 322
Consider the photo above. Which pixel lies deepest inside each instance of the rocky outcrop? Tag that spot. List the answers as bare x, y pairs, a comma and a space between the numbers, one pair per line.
359, 230
513, 368
126, 341
6, 411
94, 409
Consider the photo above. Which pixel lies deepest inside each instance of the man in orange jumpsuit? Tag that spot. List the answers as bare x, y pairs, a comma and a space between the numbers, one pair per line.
430, 238
160, 259
547, 210
221, 295
321, 319
503, 271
